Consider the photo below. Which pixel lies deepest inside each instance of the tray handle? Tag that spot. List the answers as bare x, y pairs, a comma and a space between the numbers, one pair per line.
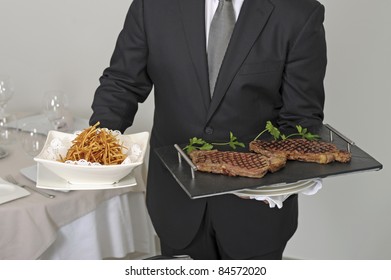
332, 130
182, 154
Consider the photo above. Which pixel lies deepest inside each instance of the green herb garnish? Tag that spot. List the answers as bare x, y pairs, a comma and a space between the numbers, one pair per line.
200, 144
233, 142
275, 132
303, 132
197, 144
271, 129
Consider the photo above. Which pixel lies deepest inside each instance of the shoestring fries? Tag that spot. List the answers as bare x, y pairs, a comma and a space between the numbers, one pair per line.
96, 145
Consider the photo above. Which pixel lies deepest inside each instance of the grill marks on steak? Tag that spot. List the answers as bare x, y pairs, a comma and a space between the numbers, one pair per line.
267, 156
236, 163
301, 150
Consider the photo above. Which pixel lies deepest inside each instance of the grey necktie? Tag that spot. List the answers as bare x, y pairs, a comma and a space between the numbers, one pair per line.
220, 31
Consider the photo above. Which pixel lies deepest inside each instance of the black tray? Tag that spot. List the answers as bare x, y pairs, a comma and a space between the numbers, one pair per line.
200, 184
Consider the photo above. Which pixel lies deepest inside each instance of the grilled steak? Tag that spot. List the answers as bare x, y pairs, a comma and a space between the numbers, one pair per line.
302, 150
236, 163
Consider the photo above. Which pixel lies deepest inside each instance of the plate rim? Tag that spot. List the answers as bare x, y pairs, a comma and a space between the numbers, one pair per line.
259, 192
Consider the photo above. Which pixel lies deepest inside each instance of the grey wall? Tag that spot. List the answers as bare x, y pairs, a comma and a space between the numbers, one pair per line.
65, 44
350, 217
60, 44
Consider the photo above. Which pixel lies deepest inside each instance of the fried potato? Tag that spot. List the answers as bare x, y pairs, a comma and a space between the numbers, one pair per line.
96, 145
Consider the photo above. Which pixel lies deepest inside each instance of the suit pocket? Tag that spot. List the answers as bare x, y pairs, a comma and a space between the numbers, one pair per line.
261, 68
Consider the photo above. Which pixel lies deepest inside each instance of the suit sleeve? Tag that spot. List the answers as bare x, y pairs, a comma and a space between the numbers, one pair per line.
302, 86
125, 83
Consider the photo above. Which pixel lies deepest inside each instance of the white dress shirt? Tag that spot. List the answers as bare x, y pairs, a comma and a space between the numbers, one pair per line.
210, 8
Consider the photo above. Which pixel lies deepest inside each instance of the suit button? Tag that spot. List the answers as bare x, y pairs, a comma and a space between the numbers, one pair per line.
209, 130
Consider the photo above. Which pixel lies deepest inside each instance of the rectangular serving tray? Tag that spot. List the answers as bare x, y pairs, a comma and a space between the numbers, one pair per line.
201, 184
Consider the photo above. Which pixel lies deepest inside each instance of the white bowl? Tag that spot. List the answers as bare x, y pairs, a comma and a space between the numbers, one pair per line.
89, 174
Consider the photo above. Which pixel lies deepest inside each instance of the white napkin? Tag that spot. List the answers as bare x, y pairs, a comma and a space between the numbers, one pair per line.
9, 191
279, 199
7, 184
4, 182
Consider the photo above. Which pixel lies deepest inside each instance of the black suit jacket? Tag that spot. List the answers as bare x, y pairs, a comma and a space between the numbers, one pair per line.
273, 70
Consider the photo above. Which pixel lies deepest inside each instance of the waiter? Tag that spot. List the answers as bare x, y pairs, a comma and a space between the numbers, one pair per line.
216, 66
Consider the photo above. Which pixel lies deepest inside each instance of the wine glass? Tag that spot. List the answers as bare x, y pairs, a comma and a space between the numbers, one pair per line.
6, 93
55, 107
8, 132
32, 137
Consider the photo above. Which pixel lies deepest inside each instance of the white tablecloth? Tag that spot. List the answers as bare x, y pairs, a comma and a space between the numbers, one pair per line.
117, 227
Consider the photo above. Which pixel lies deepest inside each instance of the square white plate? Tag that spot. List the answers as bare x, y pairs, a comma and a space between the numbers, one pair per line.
30, 172
58, 143
46, 179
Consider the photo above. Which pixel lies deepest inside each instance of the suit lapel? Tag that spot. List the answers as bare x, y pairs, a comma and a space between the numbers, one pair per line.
193, 18
252, 19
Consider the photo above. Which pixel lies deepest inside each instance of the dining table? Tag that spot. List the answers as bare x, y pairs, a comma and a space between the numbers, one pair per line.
74, 225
